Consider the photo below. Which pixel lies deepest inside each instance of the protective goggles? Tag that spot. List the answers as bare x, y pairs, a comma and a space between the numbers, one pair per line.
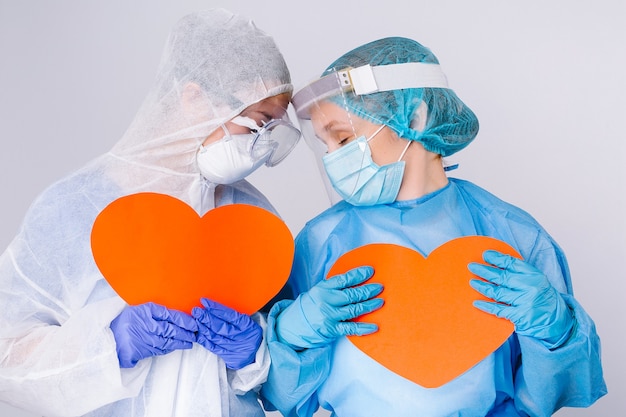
275, 138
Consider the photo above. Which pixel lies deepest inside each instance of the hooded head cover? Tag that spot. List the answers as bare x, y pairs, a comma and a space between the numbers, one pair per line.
450, 124
214, 65
64, 302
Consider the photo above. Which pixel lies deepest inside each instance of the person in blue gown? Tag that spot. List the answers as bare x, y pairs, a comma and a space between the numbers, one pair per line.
382, 119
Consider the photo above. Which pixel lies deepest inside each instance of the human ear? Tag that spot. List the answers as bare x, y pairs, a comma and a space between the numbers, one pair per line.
420, 116
194, 103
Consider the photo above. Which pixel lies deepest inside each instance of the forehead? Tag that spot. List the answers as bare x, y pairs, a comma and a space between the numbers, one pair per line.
328, 118
326, 115
275, 105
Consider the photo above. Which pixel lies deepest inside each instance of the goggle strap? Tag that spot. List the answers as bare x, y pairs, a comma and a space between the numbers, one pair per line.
245, 122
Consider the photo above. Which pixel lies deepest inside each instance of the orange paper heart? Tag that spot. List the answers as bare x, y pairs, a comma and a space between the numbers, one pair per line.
153, 247
429, 331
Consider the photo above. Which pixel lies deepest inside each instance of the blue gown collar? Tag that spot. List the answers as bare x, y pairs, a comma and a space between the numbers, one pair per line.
422, 199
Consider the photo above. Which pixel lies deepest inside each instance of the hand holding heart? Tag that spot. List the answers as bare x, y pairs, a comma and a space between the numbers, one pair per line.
319, 316
524, 296
233, 336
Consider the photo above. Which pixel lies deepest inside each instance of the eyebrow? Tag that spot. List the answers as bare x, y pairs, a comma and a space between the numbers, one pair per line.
264, 113
272, 112
333, 123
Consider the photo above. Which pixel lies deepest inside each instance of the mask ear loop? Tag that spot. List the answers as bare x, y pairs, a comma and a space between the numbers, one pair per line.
406, 148
202, 148
376, 133
240, 121
251, 124
363, 156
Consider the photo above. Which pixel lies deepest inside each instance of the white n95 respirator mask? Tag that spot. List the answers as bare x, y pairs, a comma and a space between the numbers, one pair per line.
228, 160
234, 157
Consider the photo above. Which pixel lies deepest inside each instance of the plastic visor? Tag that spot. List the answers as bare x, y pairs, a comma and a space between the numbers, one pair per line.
360, 82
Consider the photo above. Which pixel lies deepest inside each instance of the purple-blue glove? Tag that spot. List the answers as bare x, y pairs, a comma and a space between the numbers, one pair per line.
150, 329
233, 336
524, 296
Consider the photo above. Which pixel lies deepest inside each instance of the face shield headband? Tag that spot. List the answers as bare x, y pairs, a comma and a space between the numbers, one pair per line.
366, 80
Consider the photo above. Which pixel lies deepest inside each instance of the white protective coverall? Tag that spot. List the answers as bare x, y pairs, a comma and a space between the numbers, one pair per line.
57, 352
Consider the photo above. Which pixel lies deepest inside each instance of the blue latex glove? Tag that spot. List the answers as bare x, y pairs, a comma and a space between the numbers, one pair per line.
233, 336
318, 316
524, 296
150, 329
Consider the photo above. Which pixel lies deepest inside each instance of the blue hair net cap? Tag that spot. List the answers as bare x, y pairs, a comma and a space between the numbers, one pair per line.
450, 125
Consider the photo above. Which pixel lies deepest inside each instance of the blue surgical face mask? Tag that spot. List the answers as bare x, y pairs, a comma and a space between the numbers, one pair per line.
358, 179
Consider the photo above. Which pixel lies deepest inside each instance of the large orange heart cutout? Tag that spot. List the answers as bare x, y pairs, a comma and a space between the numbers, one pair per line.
429, 331
155, 248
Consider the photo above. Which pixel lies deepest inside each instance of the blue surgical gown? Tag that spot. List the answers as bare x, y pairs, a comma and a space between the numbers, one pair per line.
522, 378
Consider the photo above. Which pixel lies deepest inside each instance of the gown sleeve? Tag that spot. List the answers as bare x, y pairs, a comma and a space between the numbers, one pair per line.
57, 352
295, 375
571, 374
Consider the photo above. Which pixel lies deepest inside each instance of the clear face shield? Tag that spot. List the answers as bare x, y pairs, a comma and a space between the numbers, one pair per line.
326, 117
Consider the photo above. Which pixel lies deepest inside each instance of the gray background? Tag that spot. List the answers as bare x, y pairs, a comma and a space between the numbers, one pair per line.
546, 80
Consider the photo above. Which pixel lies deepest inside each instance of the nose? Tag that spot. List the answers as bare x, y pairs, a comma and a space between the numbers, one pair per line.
235, 129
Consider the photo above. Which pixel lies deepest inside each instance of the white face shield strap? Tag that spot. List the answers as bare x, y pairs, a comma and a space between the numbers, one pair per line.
367, 79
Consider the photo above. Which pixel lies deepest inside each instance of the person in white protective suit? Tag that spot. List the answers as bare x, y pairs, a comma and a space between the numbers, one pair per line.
69, 345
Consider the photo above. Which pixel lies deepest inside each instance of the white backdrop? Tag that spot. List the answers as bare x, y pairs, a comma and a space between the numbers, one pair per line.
546, 80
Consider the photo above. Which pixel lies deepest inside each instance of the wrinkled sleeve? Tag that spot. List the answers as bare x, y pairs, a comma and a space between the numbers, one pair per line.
570, 375
294, 376
57, 352
250, 377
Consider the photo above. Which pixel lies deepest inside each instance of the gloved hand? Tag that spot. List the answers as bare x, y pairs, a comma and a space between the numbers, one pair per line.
233, 336
524, 296
150, 329
317, 317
